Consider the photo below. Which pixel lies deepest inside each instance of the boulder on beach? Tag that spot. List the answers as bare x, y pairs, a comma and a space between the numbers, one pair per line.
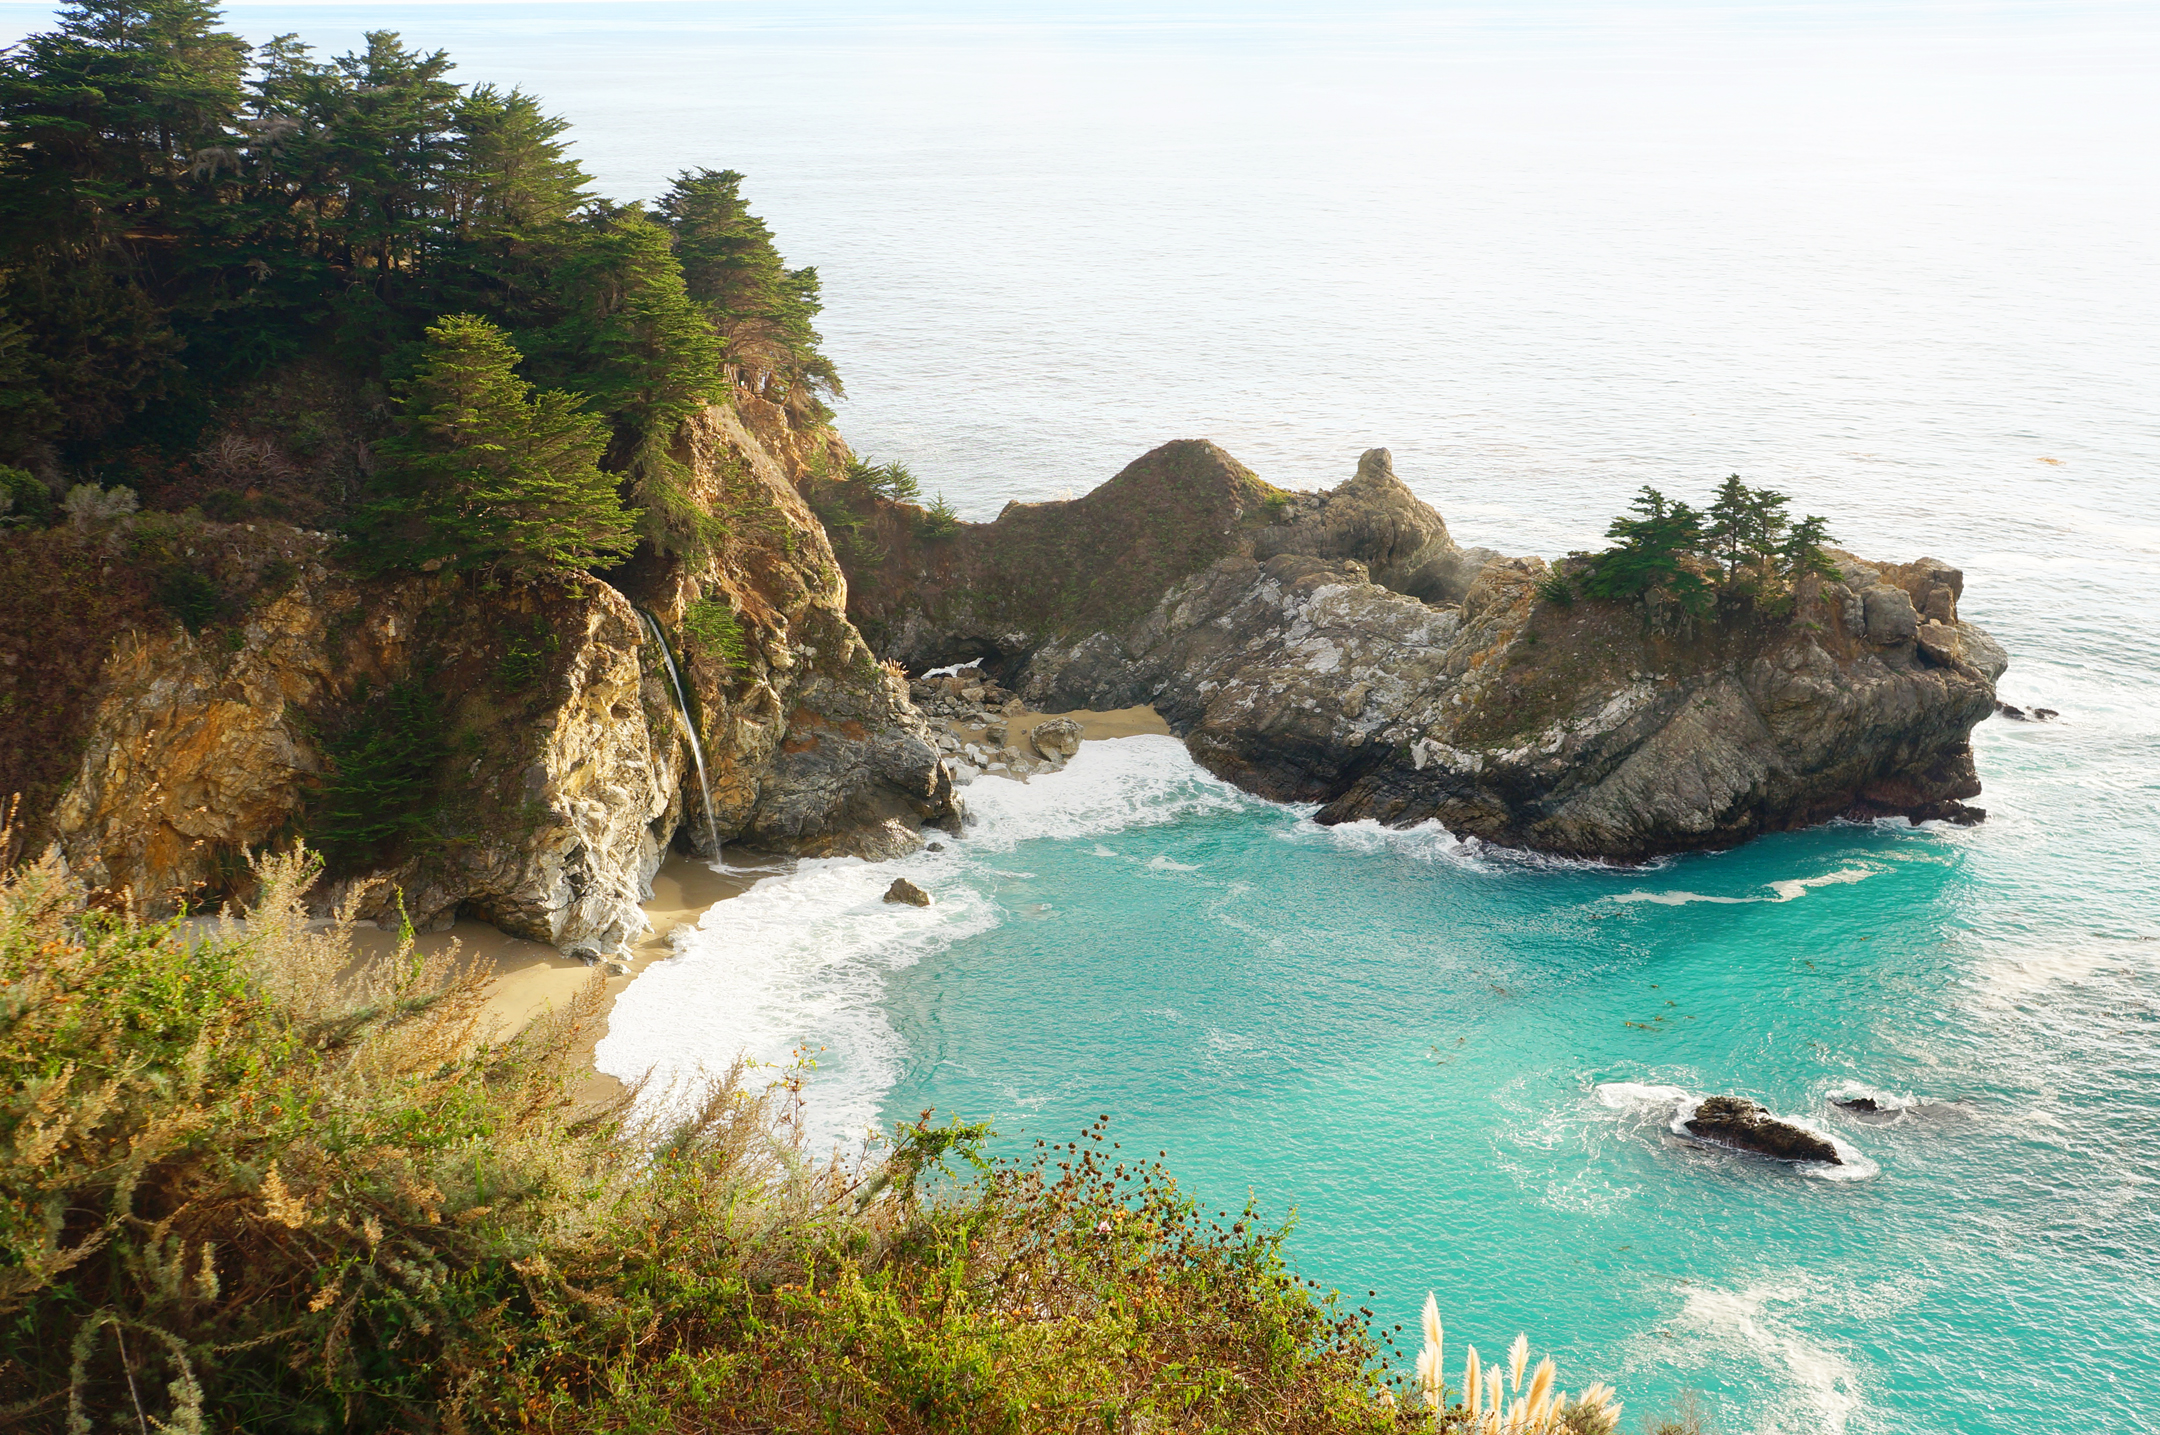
1057, 739
1743, 1125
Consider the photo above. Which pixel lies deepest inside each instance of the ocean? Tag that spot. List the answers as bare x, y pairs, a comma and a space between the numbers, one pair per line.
1894, 260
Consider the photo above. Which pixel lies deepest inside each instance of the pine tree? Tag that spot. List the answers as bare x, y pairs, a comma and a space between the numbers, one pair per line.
119, 125
1727, 529
487, 474
1803, 549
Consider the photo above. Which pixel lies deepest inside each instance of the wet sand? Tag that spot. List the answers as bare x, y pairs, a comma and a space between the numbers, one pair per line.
1094, 726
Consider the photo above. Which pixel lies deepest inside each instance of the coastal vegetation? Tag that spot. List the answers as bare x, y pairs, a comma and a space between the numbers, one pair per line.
1744, 549
251, 1182
385, 317
243, 281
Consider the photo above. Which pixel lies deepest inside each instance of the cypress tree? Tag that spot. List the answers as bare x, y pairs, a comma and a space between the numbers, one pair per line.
761, 308
488, 474
635, 345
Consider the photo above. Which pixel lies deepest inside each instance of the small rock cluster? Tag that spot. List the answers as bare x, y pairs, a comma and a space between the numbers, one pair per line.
982, 728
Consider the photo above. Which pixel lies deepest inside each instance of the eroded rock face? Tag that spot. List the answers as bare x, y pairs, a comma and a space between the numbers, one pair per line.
565, 786
1744, 1125
566, 794
1341, 649
812, 745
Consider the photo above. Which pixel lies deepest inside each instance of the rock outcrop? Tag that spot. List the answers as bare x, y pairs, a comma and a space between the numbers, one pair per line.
568, 770
1744, 1125
1341, 649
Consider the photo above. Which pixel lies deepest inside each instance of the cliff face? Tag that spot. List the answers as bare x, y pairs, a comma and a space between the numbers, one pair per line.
567, 768
1340, 649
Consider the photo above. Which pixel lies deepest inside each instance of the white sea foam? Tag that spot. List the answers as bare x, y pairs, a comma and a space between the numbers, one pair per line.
1825, 1387
1789, 890
1633, 1095
1430, 842
1107, 787
798, 961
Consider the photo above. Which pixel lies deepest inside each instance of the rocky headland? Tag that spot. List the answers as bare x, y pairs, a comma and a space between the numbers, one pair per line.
561, 767
1341, 648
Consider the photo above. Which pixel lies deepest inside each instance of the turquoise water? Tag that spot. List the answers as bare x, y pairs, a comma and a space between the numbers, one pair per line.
1437, 1057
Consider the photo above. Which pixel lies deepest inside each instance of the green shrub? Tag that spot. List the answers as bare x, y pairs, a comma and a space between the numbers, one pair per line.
1557, 588
222, 505
525, 655
718, 632
938, 520
252, 1183
192, 596
23, 500
277, 575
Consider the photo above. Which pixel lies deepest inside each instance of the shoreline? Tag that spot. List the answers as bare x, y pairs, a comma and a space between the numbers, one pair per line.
532, 978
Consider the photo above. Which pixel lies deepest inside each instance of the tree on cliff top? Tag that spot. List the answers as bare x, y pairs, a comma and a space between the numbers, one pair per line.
633, 342
761, 307
488, 474
1651, 544
1744, 548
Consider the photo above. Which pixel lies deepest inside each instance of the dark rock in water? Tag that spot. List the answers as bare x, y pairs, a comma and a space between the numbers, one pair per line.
1866, 1104
902, 890
2045, 713
1739, 1123
937, 847
2010, 710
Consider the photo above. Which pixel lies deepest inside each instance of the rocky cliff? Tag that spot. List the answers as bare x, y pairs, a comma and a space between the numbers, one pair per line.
560, 766
1340, 648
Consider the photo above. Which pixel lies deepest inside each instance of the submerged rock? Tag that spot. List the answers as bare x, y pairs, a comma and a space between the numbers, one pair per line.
1866, 1105
1340, 648
1743, 1125
902, 890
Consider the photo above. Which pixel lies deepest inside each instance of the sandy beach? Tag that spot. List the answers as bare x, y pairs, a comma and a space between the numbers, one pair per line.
532, 978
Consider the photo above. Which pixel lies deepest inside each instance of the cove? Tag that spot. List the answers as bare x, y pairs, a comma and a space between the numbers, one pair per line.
1424, 1051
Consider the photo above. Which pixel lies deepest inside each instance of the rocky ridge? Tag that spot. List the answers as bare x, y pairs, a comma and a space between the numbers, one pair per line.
1340, 648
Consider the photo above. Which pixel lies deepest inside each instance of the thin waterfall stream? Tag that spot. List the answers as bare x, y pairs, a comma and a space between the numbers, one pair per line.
682, 705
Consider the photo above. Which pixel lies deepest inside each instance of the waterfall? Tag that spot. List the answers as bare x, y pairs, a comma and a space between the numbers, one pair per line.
682, 705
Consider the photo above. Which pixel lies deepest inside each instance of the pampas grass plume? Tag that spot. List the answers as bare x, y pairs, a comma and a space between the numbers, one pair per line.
1541, 1383
1432, 1321
1518, 1355
1472, 1383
